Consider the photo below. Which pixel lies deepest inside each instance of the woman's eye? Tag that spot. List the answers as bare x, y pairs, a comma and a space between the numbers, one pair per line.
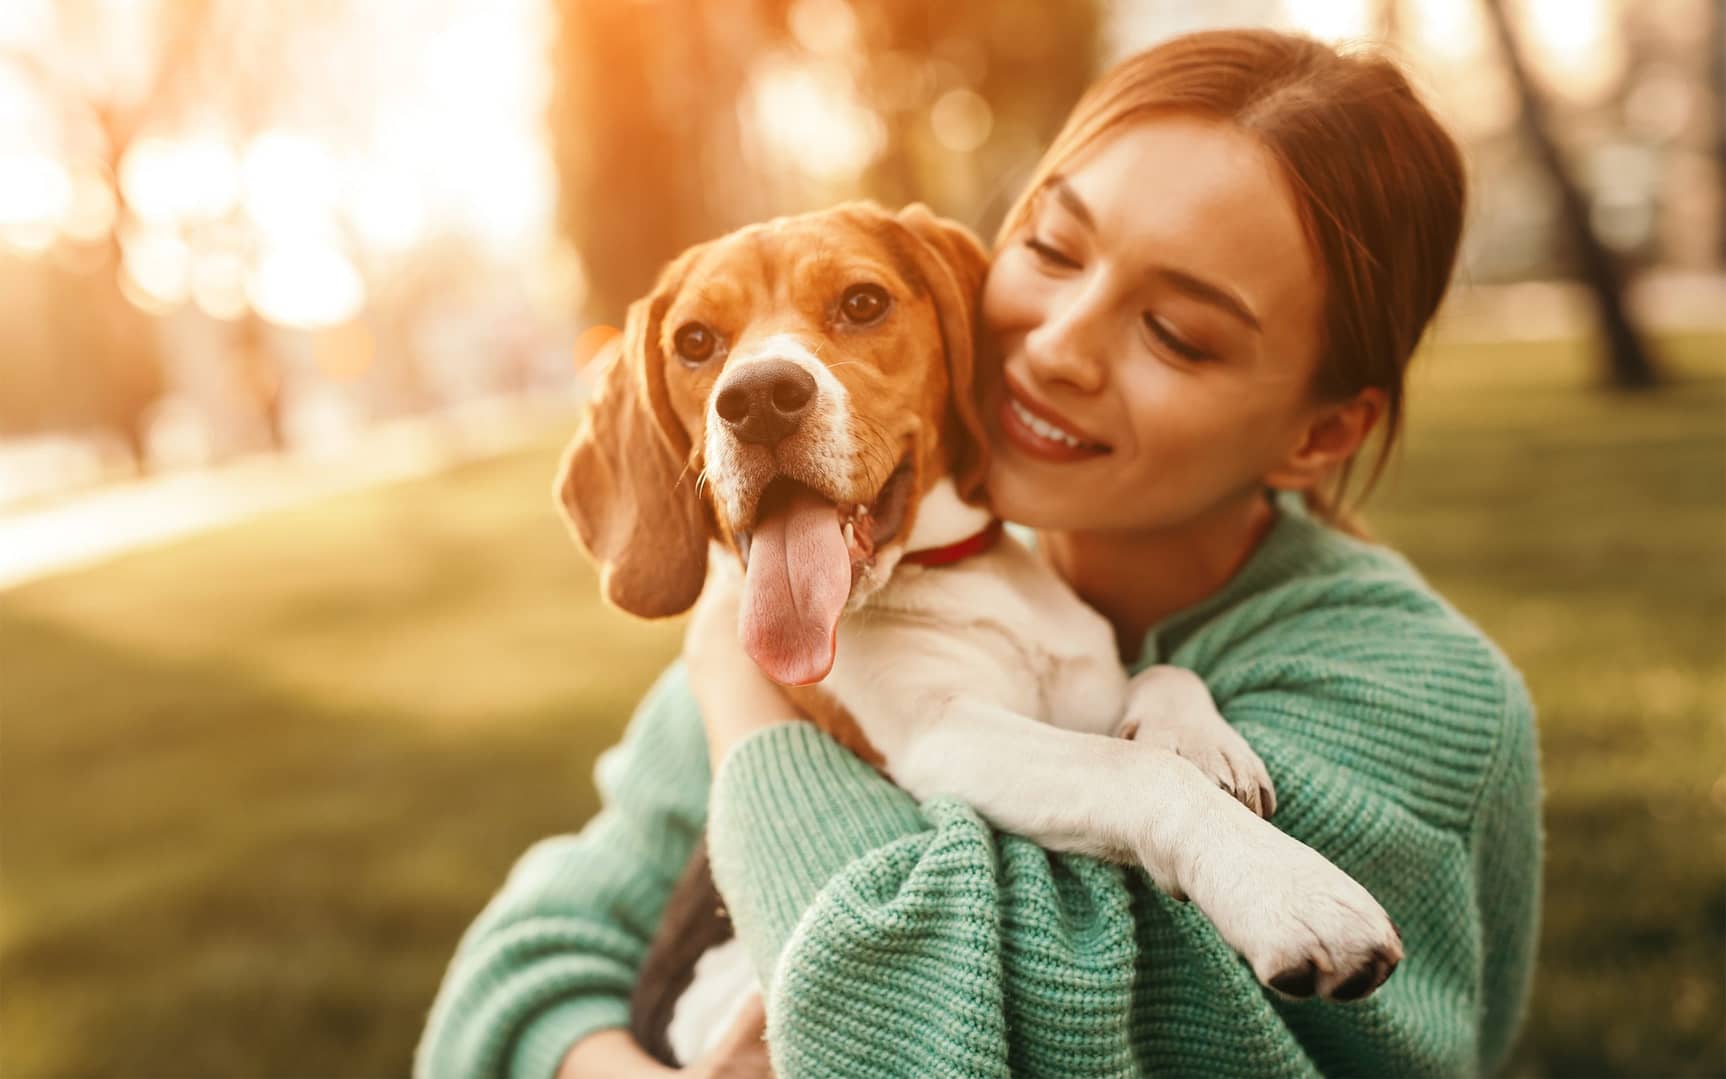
1174, 341
863, 303
695, 342
1050, 254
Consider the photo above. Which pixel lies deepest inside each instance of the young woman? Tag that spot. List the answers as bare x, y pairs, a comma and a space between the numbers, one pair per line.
1201, 308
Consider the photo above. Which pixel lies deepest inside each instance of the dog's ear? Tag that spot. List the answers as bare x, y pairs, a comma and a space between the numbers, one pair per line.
626, 484
953, 265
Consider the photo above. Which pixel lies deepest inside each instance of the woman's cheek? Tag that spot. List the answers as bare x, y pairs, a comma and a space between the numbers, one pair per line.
1011, 299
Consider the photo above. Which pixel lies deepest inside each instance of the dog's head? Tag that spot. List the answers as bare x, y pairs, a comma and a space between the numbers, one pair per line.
790, 390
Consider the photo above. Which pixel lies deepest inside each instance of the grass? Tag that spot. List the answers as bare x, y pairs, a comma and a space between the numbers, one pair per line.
254, 785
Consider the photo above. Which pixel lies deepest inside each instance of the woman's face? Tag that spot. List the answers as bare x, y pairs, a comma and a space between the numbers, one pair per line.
1158, 315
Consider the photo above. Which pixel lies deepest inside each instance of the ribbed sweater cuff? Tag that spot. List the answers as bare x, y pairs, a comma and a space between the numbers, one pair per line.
547, 1037
789, 809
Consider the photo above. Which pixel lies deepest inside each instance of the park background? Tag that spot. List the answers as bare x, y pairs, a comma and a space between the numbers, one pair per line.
295, 658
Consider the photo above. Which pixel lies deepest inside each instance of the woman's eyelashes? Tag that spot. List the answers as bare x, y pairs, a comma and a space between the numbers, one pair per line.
1053, 257
1173, 341
1050, 255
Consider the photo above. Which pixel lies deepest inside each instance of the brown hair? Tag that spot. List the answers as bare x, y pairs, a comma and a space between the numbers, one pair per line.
1377, 181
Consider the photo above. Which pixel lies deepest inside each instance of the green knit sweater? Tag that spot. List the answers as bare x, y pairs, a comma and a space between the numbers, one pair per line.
897, 939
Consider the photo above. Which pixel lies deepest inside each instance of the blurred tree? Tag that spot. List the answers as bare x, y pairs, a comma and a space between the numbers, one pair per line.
111, 81
1716, 80
645, 133
103, 366
84, 359
676, 120
971, 92
1630, 364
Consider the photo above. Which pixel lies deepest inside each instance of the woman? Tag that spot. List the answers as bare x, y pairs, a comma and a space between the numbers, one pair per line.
1200, 310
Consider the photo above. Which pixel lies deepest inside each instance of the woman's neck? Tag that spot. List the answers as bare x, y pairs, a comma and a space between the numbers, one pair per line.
1137, 579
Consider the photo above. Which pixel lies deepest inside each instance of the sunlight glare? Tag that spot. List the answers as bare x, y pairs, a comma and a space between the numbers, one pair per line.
386, 206
290, 186
1572, 45
1330, 20
306, 286
34, 190
1453, 31
811, 119
174, 180
24, 24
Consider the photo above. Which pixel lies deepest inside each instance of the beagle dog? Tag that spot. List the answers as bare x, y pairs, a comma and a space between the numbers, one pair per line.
794, 403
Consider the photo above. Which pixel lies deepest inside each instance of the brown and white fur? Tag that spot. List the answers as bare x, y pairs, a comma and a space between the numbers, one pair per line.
987, 680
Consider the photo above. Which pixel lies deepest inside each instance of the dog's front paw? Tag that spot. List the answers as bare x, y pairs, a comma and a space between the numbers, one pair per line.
1169, 708
1306, 927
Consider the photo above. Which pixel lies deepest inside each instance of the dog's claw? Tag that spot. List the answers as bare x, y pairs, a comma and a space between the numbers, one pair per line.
1299, 982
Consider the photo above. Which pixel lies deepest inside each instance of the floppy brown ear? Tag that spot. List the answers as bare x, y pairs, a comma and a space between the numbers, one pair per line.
625, 485
953, 265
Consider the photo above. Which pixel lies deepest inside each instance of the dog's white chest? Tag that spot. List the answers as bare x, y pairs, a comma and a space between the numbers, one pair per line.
1000, 627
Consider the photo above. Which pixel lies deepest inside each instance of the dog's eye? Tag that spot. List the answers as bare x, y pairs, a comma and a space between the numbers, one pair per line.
695, 342
863, 303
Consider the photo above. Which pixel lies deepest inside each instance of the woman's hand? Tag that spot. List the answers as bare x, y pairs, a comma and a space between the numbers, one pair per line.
734, 697
740, 1053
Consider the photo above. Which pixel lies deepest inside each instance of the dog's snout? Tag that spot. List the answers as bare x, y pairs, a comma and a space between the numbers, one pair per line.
762, 402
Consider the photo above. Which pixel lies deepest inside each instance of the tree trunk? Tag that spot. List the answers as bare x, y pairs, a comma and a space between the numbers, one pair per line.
1630, 364
1716, 74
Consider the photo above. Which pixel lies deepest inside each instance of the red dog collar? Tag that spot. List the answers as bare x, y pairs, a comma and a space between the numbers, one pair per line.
956, 552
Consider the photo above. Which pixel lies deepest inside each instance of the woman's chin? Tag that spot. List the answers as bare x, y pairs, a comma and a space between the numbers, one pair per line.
1032, 501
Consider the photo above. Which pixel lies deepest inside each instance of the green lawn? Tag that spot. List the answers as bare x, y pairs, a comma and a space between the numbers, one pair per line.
255, 784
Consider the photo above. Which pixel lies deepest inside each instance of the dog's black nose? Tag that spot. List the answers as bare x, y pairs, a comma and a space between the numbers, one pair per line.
764, 401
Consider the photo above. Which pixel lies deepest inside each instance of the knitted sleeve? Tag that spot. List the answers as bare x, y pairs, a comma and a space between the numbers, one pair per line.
1402, 746
553, 956
898, 940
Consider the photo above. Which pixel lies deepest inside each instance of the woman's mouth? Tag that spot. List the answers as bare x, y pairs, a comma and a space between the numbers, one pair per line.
1036, 432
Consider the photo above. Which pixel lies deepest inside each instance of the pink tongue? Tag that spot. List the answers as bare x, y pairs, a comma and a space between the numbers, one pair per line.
794, 589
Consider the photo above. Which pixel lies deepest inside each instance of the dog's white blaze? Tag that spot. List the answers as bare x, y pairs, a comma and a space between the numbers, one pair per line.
830, 452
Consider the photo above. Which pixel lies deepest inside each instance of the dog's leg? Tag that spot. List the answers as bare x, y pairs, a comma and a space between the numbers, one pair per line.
694, 923
1170, 708
1303, 924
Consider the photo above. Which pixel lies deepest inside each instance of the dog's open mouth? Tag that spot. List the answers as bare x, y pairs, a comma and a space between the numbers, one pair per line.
801, 559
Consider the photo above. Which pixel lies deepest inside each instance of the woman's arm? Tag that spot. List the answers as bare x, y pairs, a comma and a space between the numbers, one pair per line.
899, 940
552, 958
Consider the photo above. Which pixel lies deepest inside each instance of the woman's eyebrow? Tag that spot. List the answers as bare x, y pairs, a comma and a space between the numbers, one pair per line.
1067, 197
1196, 287
1207, 292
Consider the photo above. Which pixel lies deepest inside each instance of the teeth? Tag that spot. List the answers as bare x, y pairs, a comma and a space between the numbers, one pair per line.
850, 535
1037, 424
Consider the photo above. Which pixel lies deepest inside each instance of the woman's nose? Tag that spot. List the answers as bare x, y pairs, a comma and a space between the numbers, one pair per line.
1069, 346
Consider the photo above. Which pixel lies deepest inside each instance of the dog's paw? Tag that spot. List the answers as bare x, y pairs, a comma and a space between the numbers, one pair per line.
1306, 927
1169, 708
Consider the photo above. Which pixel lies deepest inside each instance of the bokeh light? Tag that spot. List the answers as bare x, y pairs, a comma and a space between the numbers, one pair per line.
812, 121
591, 342
961, 120
306, 286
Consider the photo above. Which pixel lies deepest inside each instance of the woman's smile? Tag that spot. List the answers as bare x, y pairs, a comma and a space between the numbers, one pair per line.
1039, 431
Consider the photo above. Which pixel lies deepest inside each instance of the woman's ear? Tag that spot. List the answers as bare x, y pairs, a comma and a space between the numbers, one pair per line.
1330, 436
953, 265
626, 487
